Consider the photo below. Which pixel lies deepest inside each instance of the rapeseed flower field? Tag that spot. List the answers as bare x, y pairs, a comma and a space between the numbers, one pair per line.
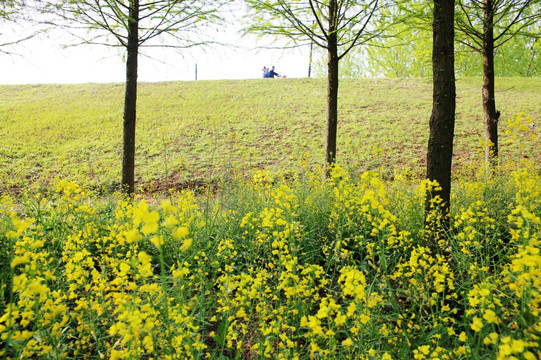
270, 267
302, 268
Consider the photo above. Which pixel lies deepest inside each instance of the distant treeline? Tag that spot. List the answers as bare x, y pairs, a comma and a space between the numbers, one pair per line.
410, 56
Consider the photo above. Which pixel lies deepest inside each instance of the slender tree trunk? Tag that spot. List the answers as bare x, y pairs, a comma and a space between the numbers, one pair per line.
310, 60
332, 110
130, 101
442, 120
489, 102
532, 58
332, 91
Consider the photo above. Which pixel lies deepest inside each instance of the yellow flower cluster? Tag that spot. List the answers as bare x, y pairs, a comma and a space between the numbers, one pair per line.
519, 126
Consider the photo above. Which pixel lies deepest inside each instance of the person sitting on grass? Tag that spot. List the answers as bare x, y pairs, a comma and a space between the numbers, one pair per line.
273, 73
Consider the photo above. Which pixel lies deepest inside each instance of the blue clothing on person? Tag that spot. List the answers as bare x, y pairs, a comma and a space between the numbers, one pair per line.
273, 73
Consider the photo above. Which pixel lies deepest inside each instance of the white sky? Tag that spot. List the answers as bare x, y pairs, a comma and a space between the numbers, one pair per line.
45, 60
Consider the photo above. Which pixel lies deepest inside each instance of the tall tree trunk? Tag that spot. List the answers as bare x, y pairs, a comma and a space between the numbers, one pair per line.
532, 58
130, 101
332, 91
442, 120
489, 102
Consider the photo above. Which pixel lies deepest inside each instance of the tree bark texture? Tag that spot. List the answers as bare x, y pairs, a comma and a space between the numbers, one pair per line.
442, 120
491, 116
130, 101
332, 91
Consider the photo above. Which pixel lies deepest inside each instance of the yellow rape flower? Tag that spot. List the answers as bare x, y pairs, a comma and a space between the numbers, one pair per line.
492, 338
157, 240
504, 351
22, 335
364, 318
340, 319
351, 309
179, 273
21, 225
124, 268
181, 232
490, 317
354, 282
150, 227
37, 244
144, 257
477, 324
518, 346
18, 260
171, 221
148, 343
323, 310
421, 352
167, 207
242, 314
348, 342
132, 236
186, 244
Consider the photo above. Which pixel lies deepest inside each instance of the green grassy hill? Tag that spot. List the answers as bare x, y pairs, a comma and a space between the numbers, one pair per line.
189, 132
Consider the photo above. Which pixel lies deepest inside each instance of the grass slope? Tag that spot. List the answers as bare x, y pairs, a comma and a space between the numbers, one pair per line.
193, 131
